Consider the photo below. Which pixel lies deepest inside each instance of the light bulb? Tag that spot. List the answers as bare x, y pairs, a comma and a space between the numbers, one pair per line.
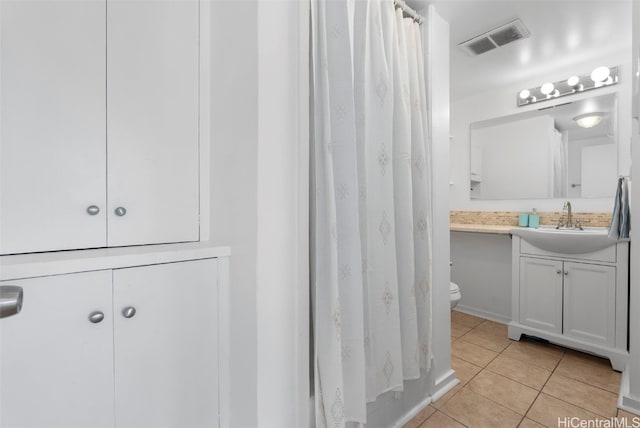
547, 88
524, 94
600, 74
589, 120
573, 81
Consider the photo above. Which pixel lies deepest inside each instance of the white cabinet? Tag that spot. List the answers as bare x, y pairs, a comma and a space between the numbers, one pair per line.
476, 163
166, 354
99, 108
152, 120
56, 367
541, 294
153, 357
575, 300
52, 125
590, 302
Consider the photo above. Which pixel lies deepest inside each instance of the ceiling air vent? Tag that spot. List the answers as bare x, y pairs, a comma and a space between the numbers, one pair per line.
497, 37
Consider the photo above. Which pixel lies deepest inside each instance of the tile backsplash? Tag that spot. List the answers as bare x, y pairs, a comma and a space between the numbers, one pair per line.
510, 218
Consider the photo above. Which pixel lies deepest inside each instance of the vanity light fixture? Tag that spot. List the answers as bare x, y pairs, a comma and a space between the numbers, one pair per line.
599, 77
589, 120
600, 74
574, 82
525, 95
547, 88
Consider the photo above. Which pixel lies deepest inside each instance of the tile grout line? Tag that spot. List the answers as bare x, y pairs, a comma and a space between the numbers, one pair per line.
541, 388
524, 416
484, 367
583, 383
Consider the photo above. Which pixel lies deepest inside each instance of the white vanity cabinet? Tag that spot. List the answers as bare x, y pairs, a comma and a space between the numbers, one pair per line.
575, 300
126, 347
99, 123
541, 293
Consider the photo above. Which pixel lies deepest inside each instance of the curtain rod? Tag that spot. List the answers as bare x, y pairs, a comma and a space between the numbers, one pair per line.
408, 10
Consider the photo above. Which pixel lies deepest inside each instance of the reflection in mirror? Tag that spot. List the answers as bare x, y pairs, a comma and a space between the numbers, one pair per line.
544, 154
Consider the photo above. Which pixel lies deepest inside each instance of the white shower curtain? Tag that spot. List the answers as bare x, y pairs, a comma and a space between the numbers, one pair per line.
371, 206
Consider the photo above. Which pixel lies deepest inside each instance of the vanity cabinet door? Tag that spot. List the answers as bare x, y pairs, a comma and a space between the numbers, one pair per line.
52, 125
56, 364
541, 294
166, 364
590, 302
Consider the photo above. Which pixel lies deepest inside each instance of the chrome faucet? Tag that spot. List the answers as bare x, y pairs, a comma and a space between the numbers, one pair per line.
567, 206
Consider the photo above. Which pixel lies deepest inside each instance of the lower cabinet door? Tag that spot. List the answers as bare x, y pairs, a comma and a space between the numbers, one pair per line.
590, 302
56, 365
165, 330
541, 294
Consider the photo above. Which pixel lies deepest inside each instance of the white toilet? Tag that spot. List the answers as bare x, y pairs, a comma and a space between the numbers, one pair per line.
454, 293
454, 290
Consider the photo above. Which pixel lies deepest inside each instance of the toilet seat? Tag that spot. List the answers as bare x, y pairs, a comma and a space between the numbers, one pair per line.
454, 294
453, 288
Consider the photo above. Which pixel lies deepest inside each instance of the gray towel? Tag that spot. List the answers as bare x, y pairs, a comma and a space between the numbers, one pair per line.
620, 219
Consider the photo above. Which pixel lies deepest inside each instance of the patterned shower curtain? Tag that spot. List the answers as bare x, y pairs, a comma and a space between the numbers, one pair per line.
371, 206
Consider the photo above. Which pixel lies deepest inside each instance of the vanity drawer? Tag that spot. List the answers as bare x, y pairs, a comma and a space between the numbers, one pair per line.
607, 255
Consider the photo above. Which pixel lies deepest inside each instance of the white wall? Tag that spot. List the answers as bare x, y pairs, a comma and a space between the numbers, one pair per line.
234, 204
259, 206
482, 270
630, 388
283, 218
497, 103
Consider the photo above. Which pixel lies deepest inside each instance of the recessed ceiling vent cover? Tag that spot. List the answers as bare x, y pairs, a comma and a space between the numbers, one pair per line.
505, 34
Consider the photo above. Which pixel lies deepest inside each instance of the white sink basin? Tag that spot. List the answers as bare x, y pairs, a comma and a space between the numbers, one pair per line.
566, 241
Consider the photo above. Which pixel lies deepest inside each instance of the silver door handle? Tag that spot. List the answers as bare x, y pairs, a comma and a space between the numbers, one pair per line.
93, 210
11, 298
120, 211
96, 317
129, 312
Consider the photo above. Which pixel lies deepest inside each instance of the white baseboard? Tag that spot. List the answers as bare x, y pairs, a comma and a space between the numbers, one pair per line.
444, 384
412, 413
482, 314
625, 401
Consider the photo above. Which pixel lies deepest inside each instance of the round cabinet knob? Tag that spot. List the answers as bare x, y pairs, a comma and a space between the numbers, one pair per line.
93, 210
566, 272
559, 271
96, 317
129, 312
120, 211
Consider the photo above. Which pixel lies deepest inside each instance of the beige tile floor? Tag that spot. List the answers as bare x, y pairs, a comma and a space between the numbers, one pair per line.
504, 383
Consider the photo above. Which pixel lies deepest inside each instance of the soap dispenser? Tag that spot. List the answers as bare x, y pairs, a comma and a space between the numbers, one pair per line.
534, 219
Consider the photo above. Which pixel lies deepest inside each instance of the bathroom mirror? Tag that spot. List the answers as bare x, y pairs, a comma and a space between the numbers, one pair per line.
544, 154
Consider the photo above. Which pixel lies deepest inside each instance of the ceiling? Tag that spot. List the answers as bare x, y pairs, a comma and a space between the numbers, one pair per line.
563, 33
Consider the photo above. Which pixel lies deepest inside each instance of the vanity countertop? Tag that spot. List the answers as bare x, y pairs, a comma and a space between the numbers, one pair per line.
499, 229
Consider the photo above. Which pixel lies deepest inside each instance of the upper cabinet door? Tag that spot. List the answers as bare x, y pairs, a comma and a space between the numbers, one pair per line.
152, 121
52, 125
